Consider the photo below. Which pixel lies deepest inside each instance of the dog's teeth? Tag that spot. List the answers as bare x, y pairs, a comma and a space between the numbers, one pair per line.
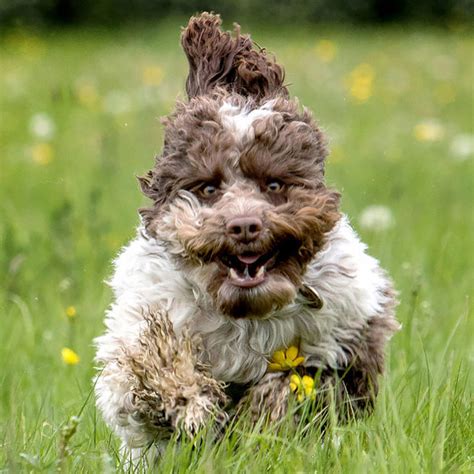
260, 272
246, 272
233, 274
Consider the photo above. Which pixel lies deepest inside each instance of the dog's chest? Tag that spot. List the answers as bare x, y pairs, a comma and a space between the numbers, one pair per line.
239, 350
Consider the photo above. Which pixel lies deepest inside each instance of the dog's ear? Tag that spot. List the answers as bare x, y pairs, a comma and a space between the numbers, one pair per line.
218, 59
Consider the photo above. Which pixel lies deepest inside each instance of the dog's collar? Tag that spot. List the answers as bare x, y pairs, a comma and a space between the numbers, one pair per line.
313, 300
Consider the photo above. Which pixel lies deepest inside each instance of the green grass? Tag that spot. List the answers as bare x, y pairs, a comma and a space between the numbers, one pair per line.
68, 203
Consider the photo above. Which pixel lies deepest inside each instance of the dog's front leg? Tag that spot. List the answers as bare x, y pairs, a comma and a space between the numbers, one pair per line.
156, 385
268, 398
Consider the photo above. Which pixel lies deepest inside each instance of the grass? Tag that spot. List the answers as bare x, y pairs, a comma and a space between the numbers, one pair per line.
400, 130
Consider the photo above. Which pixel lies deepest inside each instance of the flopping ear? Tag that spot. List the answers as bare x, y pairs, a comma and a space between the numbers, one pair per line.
219, 59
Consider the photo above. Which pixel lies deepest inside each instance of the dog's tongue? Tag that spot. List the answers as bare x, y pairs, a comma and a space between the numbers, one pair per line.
248, 259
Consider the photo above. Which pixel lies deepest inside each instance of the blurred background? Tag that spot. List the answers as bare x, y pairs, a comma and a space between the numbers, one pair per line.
83, 85
281, 11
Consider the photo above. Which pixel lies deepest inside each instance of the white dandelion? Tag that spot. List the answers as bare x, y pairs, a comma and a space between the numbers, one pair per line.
42, 126
462, 146
376, 218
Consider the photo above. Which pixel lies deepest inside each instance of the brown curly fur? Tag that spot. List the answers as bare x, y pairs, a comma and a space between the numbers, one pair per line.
216, 59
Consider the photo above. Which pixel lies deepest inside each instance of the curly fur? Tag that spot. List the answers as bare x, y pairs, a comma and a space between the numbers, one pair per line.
217, 59
193, 317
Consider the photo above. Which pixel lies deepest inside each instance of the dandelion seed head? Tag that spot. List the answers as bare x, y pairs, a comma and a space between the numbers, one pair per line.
462, 146
64, 284
376, 218
42, 126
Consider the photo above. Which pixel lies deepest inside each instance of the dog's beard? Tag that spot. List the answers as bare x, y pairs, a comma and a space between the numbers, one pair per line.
274, 293
255, 292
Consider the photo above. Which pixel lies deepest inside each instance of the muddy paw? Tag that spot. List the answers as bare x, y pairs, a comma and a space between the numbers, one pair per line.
199, 413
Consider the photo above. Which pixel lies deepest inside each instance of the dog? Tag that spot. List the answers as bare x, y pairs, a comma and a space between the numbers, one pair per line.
245, 285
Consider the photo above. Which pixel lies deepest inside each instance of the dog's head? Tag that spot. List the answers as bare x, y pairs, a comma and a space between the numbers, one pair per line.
239, 194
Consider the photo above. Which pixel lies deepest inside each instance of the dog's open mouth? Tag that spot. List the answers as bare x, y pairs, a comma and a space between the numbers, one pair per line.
248, 269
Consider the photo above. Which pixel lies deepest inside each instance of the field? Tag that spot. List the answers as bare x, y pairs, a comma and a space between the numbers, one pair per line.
80, 118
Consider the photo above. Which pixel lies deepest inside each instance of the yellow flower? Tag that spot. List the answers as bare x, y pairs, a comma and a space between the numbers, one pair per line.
285, 360
87, 94
360, 82
42, 153
69, 356
428, 131
71, 312
326, 50
152, 75
303, 387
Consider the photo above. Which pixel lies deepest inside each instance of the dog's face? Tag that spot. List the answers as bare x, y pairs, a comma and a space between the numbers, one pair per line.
240, 199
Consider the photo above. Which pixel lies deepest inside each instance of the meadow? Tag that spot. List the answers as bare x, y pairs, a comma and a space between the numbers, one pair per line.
79, 119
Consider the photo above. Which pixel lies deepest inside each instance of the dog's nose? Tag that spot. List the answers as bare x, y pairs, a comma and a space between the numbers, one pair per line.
244, 229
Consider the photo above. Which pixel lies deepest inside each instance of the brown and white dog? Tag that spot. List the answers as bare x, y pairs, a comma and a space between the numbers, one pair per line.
243, 253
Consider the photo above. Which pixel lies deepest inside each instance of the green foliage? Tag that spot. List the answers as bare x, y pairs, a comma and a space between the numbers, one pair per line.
281, 11
80, 118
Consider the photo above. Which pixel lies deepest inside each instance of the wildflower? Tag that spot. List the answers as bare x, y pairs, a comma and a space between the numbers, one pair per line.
376, 218
152, 75
42, 153
285, 360
462, 146
64, 284
42, 126
86, 93
69, 356
71, 312
326, 50
303, 387
360, 82
428, 131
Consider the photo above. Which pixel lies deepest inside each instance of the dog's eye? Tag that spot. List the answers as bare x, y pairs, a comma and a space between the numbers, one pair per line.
274, 187
208, 190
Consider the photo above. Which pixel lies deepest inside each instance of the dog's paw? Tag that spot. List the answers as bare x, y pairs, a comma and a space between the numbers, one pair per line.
198, 413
